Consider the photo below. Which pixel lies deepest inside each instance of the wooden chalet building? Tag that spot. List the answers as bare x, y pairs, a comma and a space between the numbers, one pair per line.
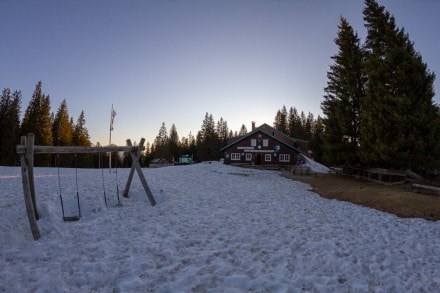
265, 146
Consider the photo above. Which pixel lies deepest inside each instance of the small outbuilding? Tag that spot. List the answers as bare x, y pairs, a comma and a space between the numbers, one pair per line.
185, 159
265, 146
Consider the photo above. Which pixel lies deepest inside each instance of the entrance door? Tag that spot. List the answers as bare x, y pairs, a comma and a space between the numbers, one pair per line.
257, 159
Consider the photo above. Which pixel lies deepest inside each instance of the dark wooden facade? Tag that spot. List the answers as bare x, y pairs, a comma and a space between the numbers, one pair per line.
263, 146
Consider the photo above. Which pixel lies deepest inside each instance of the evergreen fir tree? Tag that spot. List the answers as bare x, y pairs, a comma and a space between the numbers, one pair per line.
9, 126
190, 145
5, 104
317, 141
309, 127
62, 131
294, 125
281, 120
161, 144
398, 115
303, 120
37, 119
173, 143
222, 131
243, 130
81, 135
207, 140
62, 135
344, 94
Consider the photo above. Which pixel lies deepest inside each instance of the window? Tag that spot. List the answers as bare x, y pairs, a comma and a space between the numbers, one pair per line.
248, 157
267, 157
235, 157
253, 142
284, 158
265, 142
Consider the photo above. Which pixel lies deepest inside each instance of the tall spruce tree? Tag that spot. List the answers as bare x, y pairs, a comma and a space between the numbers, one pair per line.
62, 131
342, 102
281, 120
173, 143
208, 140
190, 145
37, 119
398, 117
243, 130
309, 127
294, 125
161, 144
9, 126
222, 131
317, 141
81, 135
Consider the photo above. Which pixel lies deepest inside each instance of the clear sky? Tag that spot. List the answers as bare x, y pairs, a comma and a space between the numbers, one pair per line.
173, 61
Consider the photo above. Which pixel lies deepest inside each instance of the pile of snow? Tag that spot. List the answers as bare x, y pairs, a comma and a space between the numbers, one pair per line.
215, 228
314, 166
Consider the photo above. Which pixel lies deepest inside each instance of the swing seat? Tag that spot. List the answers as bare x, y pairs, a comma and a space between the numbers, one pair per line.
71, 218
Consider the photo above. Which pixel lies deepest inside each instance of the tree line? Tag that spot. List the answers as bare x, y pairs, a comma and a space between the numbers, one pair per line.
204, 146
212, 136
50, 129
301, 126
378, 108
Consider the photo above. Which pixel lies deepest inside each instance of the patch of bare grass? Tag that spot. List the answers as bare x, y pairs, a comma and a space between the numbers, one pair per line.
397, 199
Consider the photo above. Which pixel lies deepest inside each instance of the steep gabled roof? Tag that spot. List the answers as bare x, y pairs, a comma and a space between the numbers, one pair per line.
269, 131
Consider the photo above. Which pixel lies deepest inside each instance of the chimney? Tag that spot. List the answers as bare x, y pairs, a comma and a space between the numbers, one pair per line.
253, 125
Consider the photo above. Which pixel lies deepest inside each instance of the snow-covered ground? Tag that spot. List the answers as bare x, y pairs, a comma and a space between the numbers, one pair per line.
215, 228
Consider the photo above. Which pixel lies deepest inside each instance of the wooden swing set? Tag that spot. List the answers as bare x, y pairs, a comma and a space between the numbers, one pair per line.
27, 149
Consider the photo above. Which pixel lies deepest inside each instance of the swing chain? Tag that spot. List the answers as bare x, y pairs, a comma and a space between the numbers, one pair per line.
69, 218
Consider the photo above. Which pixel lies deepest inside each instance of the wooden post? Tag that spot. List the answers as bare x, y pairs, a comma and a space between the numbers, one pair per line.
27, 193
135, 165
30, 163
130, 175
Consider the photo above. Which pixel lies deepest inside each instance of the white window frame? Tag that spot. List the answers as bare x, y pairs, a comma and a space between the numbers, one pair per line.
235, 157
248, 157
253, 142
265, 142
284, 157
267, 157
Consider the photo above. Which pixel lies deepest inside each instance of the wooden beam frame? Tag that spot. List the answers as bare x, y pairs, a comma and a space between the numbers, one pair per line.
27, 149
135, 165
38, 149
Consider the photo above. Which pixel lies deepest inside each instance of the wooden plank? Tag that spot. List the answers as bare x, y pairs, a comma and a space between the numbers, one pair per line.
135, 160
30, 165
426, 187
77, 149
414, 175
27, 195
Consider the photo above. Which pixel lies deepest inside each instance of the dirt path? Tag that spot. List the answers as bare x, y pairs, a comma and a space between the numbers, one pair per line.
398, 199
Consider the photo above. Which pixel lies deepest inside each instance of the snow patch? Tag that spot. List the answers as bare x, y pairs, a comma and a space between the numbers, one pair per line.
314, 166
213, 230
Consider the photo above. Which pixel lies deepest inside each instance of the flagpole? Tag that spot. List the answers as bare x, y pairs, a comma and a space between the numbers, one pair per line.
110, 153
112, 116
110, 142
